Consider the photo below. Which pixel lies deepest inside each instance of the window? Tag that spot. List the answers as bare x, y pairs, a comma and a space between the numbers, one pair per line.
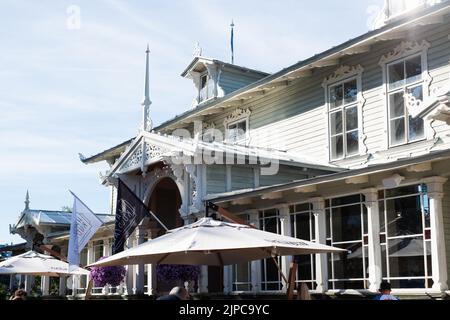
303, 227
270, 276
344, 129
406, 237
404, 79
206, 87
347, 229
237, 125
237, 131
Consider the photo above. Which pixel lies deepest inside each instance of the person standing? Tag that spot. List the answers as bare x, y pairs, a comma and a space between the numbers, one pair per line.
385, 292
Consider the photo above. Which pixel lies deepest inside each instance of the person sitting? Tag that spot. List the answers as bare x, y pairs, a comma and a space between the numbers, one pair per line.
177, 293
20, 295
385, 292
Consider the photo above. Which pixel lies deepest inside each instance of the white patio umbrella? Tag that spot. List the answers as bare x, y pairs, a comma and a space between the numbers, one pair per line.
214, 243
34, 263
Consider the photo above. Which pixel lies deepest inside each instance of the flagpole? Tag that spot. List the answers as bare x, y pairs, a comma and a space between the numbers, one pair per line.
232, 41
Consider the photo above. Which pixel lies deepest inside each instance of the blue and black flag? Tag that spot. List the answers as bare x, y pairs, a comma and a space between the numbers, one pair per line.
130, 211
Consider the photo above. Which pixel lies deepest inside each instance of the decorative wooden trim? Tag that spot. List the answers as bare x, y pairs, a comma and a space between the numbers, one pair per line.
342, 73
404, 49
236, 115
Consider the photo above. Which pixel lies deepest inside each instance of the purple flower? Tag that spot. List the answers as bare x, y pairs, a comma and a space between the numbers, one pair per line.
107, 275
168, 272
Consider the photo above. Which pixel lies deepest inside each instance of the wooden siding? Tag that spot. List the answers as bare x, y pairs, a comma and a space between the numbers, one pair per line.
285, 175
446, 214
242, 178
232, 80
216, 179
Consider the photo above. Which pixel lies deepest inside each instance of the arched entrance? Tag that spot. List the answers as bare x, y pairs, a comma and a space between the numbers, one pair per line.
165, 202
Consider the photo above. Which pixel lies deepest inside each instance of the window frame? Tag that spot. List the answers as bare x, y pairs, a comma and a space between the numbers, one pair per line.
384, 235
238, 116
406, 50
341, 76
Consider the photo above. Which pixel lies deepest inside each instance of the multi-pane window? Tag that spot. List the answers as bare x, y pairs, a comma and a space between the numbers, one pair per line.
206, 87
404, 79
303, 227
347, 229
270, 276
344, 128
241, 273
406, 237
237, 131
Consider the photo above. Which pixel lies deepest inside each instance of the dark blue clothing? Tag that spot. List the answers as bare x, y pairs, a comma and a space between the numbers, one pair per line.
171, 297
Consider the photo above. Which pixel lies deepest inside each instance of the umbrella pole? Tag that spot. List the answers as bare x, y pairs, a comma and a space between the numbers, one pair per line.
280, 271
88, 294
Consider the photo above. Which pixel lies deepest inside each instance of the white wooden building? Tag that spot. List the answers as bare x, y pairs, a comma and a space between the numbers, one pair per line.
358, 137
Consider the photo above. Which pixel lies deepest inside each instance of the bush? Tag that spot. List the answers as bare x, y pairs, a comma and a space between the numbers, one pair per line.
107, 275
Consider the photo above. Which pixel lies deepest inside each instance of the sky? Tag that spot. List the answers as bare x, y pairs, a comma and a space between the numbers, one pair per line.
72, 77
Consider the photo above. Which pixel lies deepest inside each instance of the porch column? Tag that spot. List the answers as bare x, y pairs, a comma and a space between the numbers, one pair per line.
45, 285
227, 279
255, 265
152, 281
285, 223
62, 285
29, 283
435, 187
140, 269
203, 281
130, 270
373, 224
318, 205
106, 253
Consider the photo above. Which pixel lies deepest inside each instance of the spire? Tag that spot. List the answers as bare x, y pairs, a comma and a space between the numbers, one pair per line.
147, 122
27, 201
232, 41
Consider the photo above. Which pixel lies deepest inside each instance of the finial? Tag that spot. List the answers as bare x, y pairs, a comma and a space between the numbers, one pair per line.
146, 121
27, 201
197, 50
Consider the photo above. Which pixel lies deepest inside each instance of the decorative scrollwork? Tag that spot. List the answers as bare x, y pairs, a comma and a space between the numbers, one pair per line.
342, 73
404, 49
236, 115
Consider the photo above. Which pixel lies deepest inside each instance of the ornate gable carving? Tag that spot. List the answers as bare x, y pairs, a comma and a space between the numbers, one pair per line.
404, 49
342, 73
238, 114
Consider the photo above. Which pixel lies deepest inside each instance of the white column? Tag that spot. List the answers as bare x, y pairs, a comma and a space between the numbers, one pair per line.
255, 265
285, 223
62, 285
373, 224
140, 269
29, 282
227, 279
321, 237
106, 253
45, 285
130, 270
12, 281
203, 281
438, 253
152, 280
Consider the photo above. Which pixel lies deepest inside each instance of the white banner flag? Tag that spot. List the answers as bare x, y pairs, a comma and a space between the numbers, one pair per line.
83, 226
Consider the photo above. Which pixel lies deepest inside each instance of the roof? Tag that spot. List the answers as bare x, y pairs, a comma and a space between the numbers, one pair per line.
352, 45
54, 218
400, 163
107, 154
226, 64
172, 146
